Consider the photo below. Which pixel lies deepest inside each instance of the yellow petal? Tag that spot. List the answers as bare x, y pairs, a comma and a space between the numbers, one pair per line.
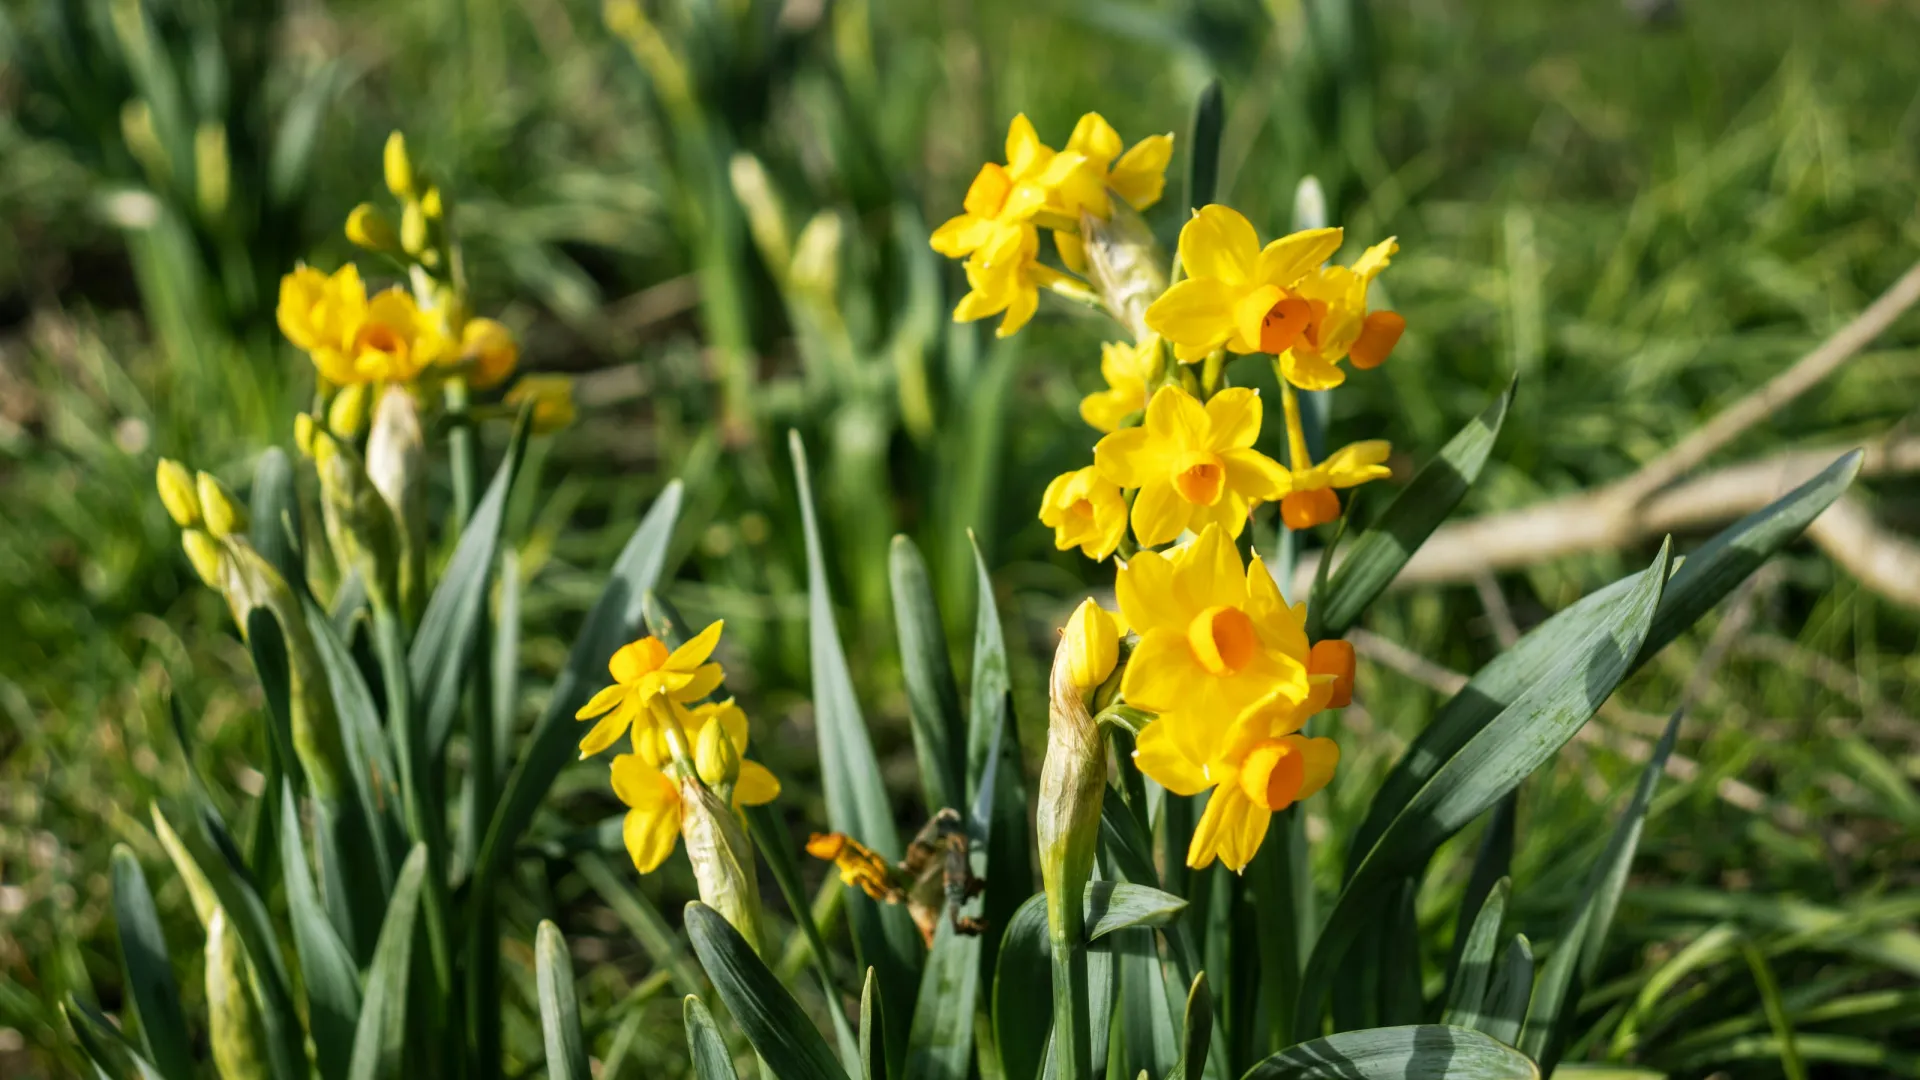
1140, 176
756, 785
1311, 371
609, 729
1223, 808
1024, 148
1195, 314
1234, 414
1208, 572
1375, 259
1357, 463
1130, 457
1073, 253
1291, 258
1256, 476
1145, 589
961, 236
601, 702
631, 661
1105, 410
1279, 627
1322, 757
1177, 418
1095, 139
988, 192
1242, 832
1161, 677
703, 681
650, 837
1159, 757
1219, 243
1020, 309
977, 305
694, 651
1159, 513
642, 786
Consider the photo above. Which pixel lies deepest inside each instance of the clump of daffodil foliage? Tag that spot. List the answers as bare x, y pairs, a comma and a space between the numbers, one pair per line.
1171, 927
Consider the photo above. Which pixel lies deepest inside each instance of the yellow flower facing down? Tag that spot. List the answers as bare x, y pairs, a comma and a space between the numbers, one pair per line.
1193, 464
1128, 369
1085, 510
397, 341
321, 313
1338, 325
642, 672
1006, 276
1261, 766
489, 347
1312, 501
1237, 294
650, 785
1215, 638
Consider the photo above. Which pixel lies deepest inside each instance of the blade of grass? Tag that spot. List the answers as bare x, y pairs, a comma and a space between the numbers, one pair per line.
559, 1008
150, 983
380, 1036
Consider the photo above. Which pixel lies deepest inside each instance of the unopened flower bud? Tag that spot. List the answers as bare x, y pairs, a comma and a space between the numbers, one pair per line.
816, 256
766, 219
413, 228
715, 756
176, 493
432, 205
371, 229
489, 347
397, 465
360, 525
1092, 643
399, 167
303, 434
1124, 265
223, 515
552, 398
203, 552
722, 858
347, 412
1334, 657
1073, 781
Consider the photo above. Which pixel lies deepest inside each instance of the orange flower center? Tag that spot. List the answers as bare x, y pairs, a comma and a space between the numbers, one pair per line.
1283, 324
1222, 639
653, 654
1082, 508
1271, 775
381, 339
1378, 335
1203, 479
1305, 509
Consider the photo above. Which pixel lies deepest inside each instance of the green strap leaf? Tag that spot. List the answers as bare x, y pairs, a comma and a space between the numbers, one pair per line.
1419, 1052
1704, 577
1576, 956
993, 749
150, 983
445, 645
1374, 559
711, 1059
1598, 651
110, 1052
873, 1032
381, 1034
1510, 993
614, 621
1203, 154
885, 938
933, 698
774, 1023
267, 644
274, 506
1490, 864
1198, 1030
559, 1009
326, 967
1023, 992
1467, 991
1117, 905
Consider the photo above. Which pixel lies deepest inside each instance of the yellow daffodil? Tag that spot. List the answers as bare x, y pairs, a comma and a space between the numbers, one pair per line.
859, 865
1093, 644
321, 313
1086, 511
1194, 464
1237, 294
1006, 275
1261, 766
1215, 639
643, 672
397, 340
648, 781
490, 348
1312, 501
1128, 369
1338, 325
1002, 197
1139, 178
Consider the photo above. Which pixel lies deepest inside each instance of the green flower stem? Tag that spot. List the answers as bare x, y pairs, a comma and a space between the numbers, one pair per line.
1072, 785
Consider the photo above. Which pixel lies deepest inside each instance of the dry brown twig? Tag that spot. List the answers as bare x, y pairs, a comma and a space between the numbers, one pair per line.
1656, 500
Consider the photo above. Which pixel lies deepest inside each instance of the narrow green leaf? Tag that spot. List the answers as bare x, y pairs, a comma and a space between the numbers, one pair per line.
326, 966
559, 1009
770, 839
1421, 1052
1491, 863
656, 937
1713, 945
1510, 993
506, 665
1117, 905
1023, 992
885, 938
103, 1044
380, 1036
1377, 555
1790, 1063
1203, 142
267, 644
1467, 992
274, 506
614, 621
933, 698
705, 1045
1198, 1031
1490, 762
446, 643
150, 983
873, 1032
993, 749
1704, 577
774, 1023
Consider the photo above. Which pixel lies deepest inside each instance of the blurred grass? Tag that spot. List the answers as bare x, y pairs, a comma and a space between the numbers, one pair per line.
1641, 215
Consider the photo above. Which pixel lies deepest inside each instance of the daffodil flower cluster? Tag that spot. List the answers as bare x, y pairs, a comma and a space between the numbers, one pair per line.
1220, 662
1006, 206
677, 740
415, 334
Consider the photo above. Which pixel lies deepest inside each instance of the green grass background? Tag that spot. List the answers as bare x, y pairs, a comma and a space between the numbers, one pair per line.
1641, 210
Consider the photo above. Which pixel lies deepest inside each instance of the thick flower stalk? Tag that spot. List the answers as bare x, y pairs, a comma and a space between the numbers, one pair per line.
1073, 780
